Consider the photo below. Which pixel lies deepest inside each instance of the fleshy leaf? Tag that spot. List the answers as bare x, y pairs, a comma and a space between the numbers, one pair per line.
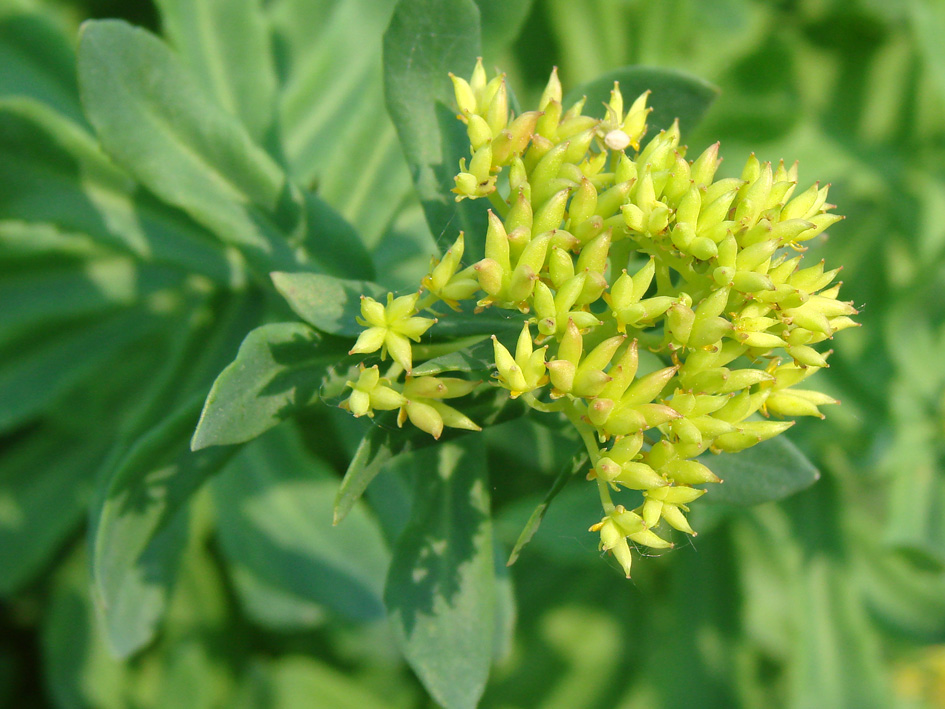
440, 592
274, 507
278, 370
676, 94
477, 358
768, 471
155, 120
140, 527
330, 304
575, 465
226, 44
425, 41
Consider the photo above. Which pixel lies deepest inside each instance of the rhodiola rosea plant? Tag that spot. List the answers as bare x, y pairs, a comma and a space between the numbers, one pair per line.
598, 290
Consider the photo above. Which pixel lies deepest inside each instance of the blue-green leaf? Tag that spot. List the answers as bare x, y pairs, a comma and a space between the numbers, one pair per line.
53, 172
274, 505
278, 371
676, 94
575, 465
226, 44
768, 471
48, 75
36, 367
50, 465
140, 526
330, 304
501, 22
379, 445
478, 358
440, 592
426, 40
155, 120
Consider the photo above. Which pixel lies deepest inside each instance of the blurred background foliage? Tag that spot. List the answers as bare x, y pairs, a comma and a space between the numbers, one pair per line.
832, 598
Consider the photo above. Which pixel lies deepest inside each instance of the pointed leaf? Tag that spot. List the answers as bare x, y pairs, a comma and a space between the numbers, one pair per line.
380, 444
574, 466
768, 471
48, 75
36, 367
226, 44
426, 40
279, 370
330, 304
478, 358
501, 23
274, 506
676, 94
440, 592
155, 120
140, 527
49, 465
55, 173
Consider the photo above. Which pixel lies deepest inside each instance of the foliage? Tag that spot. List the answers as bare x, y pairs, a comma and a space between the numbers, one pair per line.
171, 205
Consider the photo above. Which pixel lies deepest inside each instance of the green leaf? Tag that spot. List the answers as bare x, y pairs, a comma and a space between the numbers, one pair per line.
52, 172
838, 661
493, 321
488, 406
139, 526
279, 369
506, 611
330, 304
48, 75
501, 22
332, 112
226, 45
768, 471
293, 681
272, 607
49, 466
38, 295
274, 505
440, 592
155, 120
337, 247
29, 240
379, 445
928, 20
426, 40
478, 358
79, 669
37, 367
574, 466
676, 94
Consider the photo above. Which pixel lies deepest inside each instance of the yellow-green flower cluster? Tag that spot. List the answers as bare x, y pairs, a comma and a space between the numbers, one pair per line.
612, 252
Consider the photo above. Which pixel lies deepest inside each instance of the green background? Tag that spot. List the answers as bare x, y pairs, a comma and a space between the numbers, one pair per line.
118, 308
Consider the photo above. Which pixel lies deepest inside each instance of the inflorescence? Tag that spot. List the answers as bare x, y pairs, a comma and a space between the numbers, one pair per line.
612, 252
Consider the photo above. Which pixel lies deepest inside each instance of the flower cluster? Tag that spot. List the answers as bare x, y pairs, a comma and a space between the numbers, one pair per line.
609, 252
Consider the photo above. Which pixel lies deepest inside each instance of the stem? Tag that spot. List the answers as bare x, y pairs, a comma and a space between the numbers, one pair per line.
590, 442
499, 204
586, 432
664, 283
620, 257
426, 301
545, 408
394, 372
606, 502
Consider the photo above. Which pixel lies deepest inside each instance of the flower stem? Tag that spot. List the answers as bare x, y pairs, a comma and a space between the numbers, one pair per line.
499, 204
546, 408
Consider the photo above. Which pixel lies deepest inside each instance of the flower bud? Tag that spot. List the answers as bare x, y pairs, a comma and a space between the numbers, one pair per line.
647, 388
552, 90
425, 417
